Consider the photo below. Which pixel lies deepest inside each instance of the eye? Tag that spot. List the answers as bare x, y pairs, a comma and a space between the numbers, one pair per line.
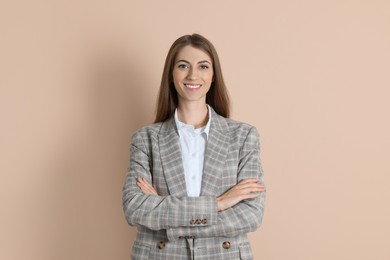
204, 67
182, 66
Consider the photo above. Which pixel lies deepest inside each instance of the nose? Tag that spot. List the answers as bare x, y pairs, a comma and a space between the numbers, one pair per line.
192, 74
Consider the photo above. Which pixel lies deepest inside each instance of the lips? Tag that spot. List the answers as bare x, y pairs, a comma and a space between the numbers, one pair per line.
193, 86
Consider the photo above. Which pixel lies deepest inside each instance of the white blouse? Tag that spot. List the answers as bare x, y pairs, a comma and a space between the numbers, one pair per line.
193, 146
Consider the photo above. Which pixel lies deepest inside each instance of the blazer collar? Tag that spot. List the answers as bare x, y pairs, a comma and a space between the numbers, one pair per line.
214, 161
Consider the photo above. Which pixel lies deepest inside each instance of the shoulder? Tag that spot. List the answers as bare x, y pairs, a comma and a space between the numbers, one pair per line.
243, 135
147, 130
230, 126
146, 134
235, 125
238, 129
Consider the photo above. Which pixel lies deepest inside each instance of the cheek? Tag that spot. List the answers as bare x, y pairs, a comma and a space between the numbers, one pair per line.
178, 75
176, 78
209, 77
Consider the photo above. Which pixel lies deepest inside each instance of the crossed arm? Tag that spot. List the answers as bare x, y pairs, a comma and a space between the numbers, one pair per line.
237, 211
245, 189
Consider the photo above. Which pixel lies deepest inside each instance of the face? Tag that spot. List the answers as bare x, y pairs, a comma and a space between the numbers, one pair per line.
192, 74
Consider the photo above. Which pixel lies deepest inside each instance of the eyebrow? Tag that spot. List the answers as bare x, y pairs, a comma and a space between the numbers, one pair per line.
202, 61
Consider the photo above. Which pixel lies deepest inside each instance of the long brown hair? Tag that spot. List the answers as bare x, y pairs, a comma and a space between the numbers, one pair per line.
217, 97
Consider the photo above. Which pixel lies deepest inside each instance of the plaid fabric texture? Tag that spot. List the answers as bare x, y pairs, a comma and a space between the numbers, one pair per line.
174, 226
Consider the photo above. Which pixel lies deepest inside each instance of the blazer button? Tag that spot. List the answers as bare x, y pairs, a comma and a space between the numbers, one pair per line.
161, 245
204, 221
193, 221
226, 245
198, 221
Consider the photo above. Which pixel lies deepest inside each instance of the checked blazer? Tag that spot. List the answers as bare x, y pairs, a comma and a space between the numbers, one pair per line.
175, 226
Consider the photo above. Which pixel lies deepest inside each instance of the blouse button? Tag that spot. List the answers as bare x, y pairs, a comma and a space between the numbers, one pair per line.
226, 245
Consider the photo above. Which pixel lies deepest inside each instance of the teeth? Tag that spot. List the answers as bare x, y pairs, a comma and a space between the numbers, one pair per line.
192, 86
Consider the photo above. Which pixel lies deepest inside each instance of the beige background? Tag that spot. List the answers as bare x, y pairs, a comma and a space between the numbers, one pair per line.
78, 77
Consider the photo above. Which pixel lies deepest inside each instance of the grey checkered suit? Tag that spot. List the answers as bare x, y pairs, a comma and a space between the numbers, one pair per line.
174, 226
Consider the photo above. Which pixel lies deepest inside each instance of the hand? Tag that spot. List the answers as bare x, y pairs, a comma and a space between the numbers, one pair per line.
146, 187
245, 189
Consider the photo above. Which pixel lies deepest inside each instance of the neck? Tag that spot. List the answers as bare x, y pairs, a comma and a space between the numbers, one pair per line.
193, 114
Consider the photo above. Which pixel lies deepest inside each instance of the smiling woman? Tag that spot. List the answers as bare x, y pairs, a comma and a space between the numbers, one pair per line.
217, 96
194, 188
192, 77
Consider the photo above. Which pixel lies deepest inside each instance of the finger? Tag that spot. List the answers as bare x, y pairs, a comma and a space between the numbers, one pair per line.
148, 191
246, 190
246, 184
145, 186
142, 188
249, 185
250, 196
250, 190
249, 180
256, 188
149, 187
142, 185
139, 185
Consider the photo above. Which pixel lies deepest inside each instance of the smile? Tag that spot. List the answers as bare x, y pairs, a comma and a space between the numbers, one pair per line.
191, 86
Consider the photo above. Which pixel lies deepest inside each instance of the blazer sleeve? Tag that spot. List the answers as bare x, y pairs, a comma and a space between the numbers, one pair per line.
245, 216
159, 212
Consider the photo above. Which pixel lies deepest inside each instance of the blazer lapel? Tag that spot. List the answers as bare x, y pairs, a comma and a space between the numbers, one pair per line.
215, 155
171, 158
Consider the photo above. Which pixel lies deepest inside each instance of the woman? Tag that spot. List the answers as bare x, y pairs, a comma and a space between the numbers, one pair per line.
194, 186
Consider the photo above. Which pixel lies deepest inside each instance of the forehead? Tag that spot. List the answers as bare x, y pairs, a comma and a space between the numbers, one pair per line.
192, 54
